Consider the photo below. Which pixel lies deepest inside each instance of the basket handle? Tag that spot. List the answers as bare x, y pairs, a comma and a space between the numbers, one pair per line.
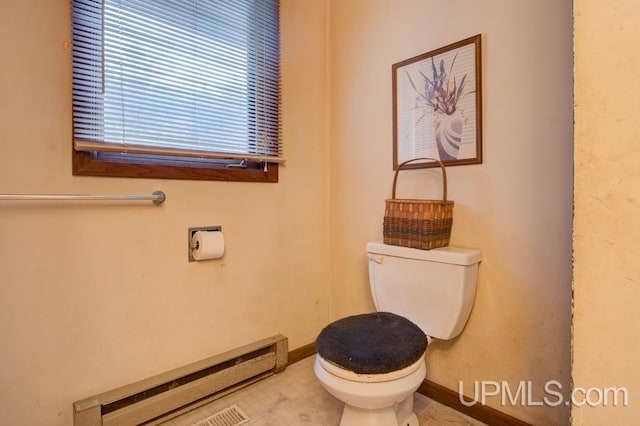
444, 176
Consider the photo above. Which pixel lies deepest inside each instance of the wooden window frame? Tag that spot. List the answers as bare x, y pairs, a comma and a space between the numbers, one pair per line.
90, 164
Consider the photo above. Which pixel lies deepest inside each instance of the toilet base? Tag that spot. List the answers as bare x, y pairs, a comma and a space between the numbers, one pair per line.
374, 403
400, 414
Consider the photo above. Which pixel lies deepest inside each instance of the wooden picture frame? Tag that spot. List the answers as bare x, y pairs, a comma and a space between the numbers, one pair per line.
437, 106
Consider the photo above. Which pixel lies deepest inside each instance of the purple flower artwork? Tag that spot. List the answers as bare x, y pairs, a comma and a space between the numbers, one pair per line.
440, 95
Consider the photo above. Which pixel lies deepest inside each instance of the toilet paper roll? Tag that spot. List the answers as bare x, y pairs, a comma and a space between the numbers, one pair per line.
209, 245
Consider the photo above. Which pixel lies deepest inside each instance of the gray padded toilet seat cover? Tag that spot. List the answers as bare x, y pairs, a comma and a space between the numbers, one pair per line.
375, 343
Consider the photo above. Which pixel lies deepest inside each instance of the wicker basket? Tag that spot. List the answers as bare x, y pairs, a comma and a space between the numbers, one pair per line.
422, 224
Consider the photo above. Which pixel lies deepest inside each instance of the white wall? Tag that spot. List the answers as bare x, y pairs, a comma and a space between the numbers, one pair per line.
516, 207
97, 295
606, 230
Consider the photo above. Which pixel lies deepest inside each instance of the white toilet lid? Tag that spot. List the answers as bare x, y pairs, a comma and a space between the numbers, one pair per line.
370, 378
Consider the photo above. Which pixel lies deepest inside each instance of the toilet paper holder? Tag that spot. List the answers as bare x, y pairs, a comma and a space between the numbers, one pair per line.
194, 245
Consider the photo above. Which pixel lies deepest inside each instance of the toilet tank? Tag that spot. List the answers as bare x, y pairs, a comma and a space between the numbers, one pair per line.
435, 288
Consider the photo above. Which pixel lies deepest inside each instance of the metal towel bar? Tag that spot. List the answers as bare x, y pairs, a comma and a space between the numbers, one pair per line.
157, 197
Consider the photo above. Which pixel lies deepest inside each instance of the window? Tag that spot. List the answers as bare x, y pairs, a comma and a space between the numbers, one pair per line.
185, 89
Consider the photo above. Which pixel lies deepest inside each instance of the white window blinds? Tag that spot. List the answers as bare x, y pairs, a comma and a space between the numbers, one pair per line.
185, 78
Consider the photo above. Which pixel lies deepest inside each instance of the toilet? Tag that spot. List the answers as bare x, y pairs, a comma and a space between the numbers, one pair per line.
375, 362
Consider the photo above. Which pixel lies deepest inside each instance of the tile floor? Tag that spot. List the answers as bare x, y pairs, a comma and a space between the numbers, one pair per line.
295, 397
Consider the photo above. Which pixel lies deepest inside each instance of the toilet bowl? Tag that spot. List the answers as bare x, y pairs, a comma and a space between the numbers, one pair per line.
375, 362
373, 400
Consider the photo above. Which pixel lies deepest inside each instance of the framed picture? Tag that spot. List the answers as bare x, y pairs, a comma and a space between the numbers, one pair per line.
437, 106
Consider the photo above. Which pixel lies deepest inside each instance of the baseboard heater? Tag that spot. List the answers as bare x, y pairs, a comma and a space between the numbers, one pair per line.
159, 398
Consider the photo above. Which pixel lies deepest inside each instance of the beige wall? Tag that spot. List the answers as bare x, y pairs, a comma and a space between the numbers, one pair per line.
516, 207
607, 208
94, 296
97, 295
